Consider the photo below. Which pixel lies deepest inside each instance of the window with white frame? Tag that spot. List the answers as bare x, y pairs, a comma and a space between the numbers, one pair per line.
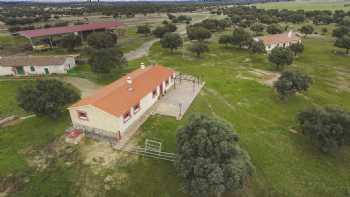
136, 108
154, 93
127, 116
83, 115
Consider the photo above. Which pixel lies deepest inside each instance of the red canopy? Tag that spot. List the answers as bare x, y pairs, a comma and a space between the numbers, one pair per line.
69, 29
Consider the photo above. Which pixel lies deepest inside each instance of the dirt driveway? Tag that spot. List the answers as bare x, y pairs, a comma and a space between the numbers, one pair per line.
141, 51
85, 86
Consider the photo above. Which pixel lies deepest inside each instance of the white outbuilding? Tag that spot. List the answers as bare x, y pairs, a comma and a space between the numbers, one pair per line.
36, 65
279, 40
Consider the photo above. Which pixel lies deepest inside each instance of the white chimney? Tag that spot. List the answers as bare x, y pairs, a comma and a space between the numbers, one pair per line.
142, 66
290, 33
129, 82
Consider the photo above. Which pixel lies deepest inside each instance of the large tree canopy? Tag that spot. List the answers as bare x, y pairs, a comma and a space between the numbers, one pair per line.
210, 158
99, 40
171, 41
241, 37
307, 29
46, 97
274, 29
291, 82
160, 31
198, 48
343, 42
297, 48
143, 29
281, 57
328, 128
198, 33
257, 47
70, 42
257, 28
104, 60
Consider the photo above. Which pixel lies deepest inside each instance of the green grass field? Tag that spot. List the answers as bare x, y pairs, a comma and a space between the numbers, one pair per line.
305, 5
133, 40
8, 102
286, 163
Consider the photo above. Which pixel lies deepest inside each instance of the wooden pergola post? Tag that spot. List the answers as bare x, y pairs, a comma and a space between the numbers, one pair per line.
31, 42
50, 39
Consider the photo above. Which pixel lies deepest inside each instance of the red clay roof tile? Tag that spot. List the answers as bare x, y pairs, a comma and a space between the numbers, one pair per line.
69, 29
116, 99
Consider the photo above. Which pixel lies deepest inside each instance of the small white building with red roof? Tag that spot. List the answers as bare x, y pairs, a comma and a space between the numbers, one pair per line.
279, 40
115, 107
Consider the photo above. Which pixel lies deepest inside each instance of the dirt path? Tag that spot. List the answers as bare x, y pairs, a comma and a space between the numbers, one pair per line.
86, 86
144, 49
141, 51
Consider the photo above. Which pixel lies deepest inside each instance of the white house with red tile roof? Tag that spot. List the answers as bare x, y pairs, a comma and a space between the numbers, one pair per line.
112, 109
279, 40
36, 65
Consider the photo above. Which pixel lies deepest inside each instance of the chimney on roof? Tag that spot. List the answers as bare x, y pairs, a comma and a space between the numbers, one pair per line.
129, 82
290, 33
142, 66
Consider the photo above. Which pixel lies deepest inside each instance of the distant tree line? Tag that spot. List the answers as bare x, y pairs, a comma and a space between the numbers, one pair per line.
245, 16
16, 28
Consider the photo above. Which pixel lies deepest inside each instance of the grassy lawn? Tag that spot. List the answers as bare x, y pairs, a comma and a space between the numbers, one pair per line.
84, 71
305, 5
286, 163
33, 133
8, 102
12, 40
12, 44
132, 40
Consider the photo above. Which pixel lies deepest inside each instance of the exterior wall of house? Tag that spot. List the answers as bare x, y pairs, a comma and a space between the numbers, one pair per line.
96, 118
99, 119
6, 71
269, 48
40, 70
145, 104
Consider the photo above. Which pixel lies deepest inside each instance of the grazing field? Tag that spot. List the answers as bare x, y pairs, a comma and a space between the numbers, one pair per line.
8, 102
286, 162
133, 40
306, 5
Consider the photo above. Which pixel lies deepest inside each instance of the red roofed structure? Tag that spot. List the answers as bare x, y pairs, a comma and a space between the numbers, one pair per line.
70, 29
113, 108
279, 40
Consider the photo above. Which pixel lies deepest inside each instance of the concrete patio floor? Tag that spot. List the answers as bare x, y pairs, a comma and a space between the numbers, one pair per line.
177, 100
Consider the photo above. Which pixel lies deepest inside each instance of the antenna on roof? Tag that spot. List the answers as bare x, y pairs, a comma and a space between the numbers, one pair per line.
129, 82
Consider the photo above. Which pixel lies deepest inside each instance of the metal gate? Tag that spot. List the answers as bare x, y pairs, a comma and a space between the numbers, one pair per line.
153, 149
